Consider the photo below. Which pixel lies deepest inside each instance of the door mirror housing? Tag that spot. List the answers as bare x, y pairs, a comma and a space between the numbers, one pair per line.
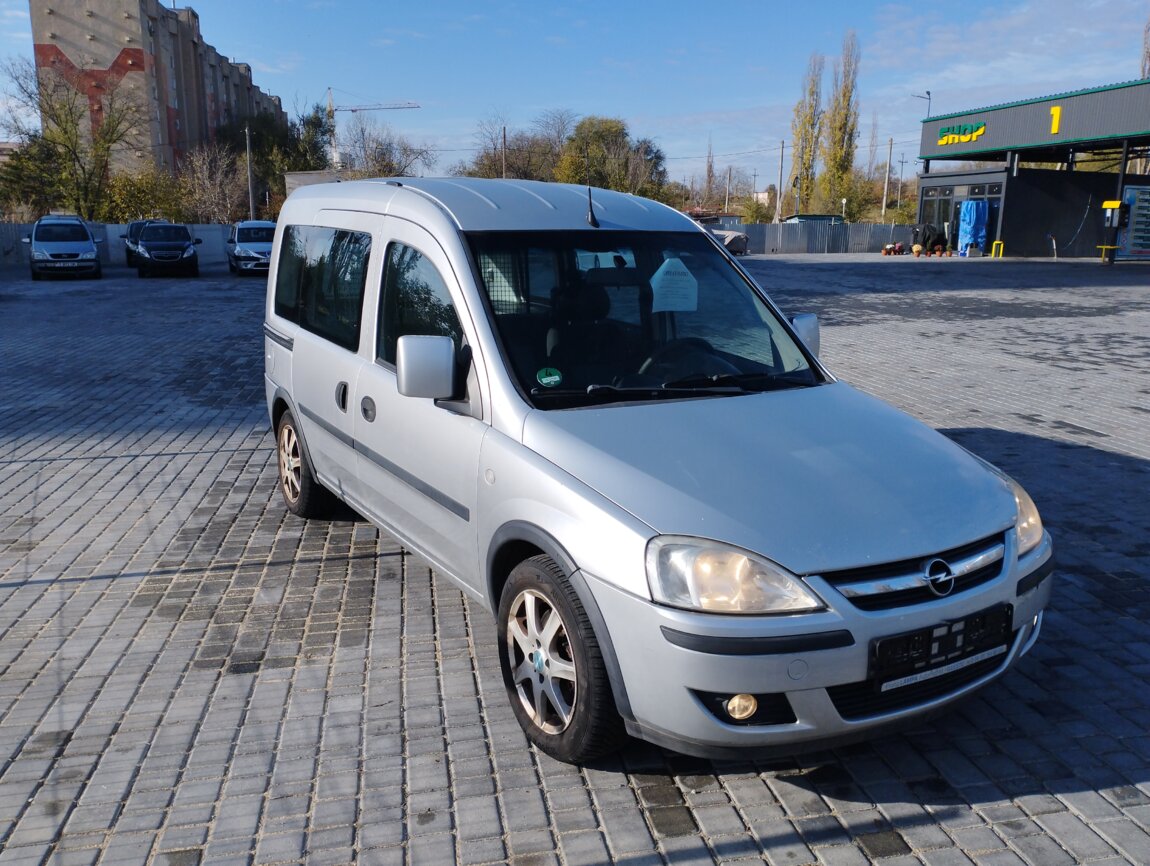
425, 367
806, 325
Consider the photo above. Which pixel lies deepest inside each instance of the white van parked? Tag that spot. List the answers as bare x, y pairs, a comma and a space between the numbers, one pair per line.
580, 409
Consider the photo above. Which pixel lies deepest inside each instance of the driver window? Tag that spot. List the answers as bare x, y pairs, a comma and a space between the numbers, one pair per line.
415, 300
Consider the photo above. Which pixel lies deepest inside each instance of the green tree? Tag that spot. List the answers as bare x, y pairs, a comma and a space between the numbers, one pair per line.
600, 153
152, 192
840, 129
806, 129
84, 125
28, 180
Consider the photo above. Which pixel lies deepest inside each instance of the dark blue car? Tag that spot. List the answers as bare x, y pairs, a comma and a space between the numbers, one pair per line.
166, 248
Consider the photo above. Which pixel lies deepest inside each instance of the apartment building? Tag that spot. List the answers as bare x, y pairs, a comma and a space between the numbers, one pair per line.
156, 54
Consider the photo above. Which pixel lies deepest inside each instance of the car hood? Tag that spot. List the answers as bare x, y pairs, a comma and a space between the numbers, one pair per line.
165, 246
816, 479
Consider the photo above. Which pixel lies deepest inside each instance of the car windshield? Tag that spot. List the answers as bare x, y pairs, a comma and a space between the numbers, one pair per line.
594, 317
165, 233
61, 233
256, 235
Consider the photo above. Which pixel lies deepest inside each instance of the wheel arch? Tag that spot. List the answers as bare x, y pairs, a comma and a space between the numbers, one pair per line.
282, 403
517, 541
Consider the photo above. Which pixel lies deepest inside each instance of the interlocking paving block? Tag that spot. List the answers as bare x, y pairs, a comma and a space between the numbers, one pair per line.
188, 674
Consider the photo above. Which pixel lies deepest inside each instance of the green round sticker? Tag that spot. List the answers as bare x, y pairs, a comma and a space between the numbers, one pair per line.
549, 377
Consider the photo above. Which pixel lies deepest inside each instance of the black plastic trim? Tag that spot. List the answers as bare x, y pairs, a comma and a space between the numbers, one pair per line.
1034, 579
278, 338
758, 646
415, 483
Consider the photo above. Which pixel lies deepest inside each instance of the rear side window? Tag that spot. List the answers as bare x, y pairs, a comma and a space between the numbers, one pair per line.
415, 301
320, 281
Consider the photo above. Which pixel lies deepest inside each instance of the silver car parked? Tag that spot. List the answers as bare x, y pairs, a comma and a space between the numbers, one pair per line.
580, 409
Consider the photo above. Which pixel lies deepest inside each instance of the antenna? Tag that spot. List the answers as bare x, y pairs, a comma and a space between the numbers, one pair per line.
591, 210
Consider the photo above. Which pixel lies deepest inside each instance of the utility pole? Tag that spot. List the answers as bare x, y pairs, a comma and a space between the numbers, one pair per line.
901, 163
886, 180
754, 182
251, 186
505, 153
727, 199
779, 188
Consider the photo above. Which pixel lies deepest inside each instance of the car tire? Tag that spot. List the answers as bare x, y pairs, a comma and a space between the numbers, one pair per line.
194, 272
560, 692
98, 274
142, 273
35, 276
302, 494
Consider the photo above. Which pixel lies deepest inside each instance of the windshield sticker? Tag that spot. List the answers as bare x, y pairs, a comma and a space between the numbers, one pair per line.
674, 288
549, 377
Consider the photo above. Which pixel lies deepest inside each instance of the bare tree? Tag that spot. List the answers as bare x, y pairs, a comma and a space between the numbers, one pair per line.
375, 150
806, 129
213, 189
85, 118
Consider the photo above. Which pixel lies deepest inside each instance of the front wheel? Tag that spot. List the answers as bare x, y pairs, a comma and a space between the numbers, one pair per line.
302, 494
553, 666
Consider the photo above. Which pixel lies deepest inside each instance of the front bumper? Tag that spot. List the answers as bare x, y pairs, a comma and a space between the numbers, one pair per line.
245, 263
181, 265
65, 266
810, 672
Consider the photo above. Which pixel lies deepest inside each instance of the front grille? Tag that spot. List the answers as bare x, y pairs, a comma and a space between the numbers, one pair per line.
64, 257
860, 700
899, 584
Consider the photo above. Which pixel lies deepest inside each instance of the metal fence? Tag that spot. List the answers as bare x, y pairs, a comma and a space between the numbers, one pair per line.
821, 237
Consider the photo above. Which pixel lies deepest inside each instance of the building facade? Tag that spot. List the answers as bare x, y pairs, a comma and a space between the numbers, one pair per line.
157, 56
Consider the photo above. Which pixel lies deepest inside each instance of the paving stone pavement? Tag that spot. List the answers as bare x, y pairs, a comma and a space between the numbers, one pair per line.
190, 675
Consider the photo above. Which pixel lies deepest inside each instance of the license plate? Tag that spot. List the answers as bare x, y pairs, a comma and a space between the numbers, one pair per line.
913, 657
65, 264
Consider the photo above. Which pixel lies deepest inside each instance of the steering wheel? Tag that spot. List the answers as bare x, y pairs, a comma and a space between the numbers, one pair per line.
686, 356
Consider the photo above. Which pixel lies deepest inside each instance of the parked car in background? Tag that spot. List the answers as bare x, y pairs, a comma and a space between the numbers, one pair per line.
62, 245
167, 248
131, 238
249, 246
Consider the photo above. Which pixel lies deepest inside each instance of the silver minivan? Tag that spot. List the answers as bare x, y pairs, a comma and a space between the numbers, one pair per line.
580, 409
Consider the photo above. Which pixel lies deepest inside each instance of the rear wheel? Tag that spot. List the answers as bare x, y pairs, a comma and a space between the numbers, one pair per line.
302, 494
553, 667
35, 276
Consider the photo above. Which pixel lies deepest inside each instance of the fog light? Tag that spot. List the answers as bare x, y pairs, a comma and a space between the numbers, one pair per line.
742, 707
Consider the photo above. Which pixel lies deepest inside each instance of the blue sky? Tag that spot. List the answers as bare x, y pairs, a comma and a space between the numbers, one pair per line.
684, 74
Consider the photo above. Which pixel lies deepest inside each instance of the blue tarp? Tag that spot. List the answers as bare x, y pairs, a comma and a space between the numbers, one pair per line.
972, 225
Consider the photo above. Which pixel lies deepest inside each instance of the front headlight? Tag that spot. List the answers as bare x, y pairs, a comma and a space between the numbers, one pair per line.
710, 576
39, 255
189, 252
1028, 527
142, 252
89, 255
244, 251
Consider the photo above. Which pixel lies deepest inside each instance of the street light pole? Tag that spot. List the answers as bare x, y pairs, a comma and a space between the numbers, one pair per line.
925, 96
251, 185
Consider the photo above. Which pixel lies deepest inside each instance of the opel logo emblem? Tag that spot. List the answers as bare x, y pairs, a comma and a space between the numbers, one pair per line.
939, 578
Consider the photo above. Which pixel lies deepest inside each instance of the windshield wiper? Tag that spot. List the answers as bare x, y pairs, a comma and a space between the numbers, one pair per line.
745, 382
668, 389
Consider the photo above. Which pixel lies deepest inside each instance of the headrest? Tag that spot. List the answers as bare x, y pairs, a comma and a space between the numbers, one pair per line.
581, 303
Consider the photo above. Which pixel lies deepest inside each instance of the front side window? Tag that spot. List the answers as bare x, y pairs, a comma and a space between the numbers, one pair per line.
598, 316
320, 281
415, 301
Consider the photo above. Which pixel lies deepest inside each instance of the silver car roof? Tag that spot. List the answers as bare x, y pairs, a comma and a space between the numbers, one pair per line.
483, 204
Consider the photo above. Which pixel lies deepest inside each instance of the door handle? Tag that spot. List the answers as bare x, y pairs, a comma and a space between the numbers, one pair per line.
341, 396
367, 408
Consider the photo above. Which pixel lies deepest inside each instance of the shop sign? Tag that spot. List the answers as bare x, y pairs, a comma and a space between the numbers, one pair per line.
961, 133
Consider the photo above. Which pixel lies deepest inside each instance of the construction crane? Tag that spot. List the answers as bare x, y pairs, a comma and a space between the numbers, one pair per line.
332, 108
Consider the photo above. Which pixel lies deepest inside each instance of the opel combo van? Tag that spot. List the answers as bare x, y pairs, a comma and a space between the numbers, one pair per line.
581, 410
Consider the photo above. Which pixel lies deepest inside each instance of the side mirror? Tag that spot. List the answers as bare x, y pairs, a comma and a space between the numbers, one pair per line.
27, 239
198, 241
97, 240
229, 241
806, 325
425, 367
123, 236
